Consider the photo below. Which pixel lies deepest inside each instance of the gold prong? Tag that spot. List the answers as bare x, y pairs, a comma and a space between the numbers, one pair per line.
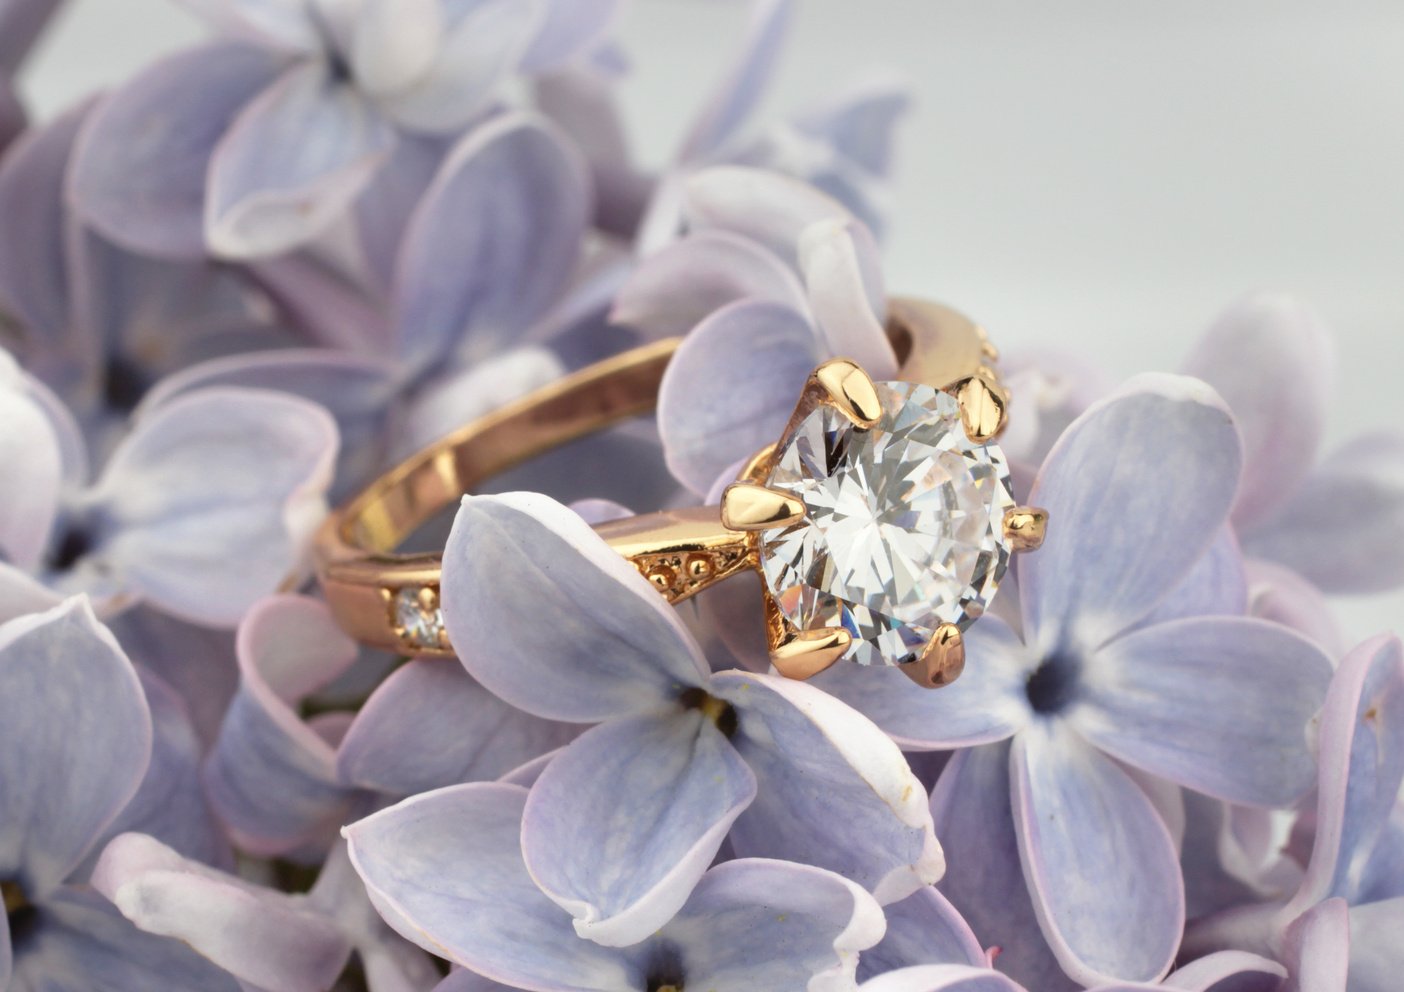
1024, 527
982, 407
428, 599
942, 661
747, 506
850, 391
804, 654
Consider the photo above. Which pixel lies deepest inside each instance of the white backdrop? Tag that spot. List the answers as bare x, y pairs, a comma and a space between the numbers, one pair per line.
1103, 176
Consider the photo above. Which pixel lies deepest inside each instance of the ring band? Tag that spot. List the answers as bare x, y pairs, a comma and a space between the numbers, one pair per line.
390, 600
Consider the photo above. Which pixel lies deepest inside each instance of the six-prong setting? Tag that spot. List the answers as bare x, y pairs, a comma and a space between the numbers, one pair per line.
881, 522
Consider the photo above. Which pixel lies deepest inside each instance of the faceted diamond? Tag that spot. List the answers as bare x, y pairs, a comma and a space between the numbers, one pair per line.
418, 617
903, 529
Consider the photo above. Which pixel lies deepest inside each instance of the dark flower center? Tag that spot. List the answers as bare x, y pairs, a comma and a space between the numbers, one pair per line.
1053, 686
665, 970
125, 384
719, 711
21, 914
72, 544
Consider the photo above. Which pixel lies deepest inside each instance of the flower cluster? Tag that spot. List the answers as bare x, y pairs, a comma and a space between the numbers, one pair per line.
240, 285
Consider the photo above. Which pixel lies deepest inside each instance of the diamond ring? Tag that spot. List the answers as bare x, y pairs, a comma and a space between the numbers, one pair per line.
881, 521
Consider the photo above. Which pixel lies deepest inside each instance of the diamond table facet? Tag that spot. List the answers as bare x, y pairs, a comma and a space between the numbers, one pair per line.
903, 529
418, 618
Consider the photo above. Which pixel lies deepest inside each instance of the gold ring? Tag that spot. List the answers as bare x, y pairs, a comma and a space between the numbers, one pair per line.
858, 462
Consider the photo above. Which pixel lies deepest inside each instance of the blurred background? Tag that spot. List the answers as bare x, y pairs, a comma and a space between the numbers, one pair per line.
1098, 176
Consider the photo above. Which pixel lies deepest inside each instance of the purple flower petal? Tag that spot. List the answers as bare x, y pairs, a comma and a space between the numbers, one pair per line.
1317, 948
21, 22
612, 645
140, 165
1136, 489
757, 924
1217, 704
656, 792
394, 43
1225, 971
1361, 744
744, 84
941, 978
731, 387
32, 482
859, 122
842, 272
493, 242
12, 119
989, 701
1374, 946
445, 870
1329, 529
271, 189
271, 22
815, 756
1064, 793
923, 928
86, 944
971, 806
430, 725
21, 594
1216, 585
478, 51
64, 778
767, 207
386, 207
1281, 595
207, 505
1271, 359
674, 289
568, 28
261, 936
272, 778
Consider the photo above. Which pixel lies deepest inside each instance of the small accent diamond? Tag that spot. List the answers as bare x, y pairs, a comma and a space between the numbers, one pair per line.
417, 617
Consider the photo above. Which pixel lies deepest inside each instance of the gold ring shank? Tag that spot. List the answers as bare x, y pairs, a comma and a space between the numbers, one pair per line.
680, 551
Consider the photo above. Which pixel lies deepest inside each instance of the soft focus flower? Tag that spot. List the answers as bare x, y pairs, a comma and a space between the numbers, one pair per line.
21, 23
256, 143
78, 744
95, 322
1215, 973
773, 278
622, 823
1349, 908
446, 871
202, 507
1129, 656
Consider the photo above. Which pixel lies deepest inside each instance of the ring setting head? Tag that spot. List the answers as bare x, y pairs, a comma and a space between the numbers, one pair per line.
882, 523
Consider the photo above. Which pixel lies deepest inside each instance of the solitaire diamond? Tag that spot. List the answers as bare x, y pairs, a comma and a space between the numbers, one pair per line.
903, 528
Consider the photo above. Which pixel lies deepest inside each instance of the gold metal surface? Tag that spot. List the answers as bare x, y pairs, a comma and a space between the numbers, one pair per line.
749, 506
942, 661
1024, 527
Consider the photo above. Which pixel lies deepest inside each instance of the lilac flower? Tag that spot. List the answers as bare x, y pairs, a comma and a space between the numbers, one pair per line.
267, 939
773, 278
446, 871
203, 507
1349, 907
77, 762
622, 823
209, 147
98, 324
1218, 972
1128, 657
282, 785
21, 23
1272, 359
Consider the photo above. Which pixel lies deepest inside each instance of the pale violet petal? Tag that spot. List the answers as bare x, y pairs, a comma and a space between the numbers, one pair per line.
989, 701
611, 645
430, 725
1281, 595
78, 735
568, 29
730, 388
1223, 971
286, 24
209, 503
140, 166
1216, 585
1137, 490
271, 777
21, 24
859, 122
973, 813
384, 210
445, 870
262, 936
394, 43
32, 482
923, 928
675, 288
844, 282
765, 206
620, 826
883, 839
1216, 704
1361, 756
758, 924
1375, 954
21, 594
492, 244
1064, 792
1317, 946
1272, 360
941, 978
272, 189
1329, 529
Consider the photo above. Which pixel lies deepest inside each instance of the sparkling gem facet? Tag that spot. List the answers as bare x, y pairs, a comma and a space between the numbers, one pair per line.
423, 626
903, 529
